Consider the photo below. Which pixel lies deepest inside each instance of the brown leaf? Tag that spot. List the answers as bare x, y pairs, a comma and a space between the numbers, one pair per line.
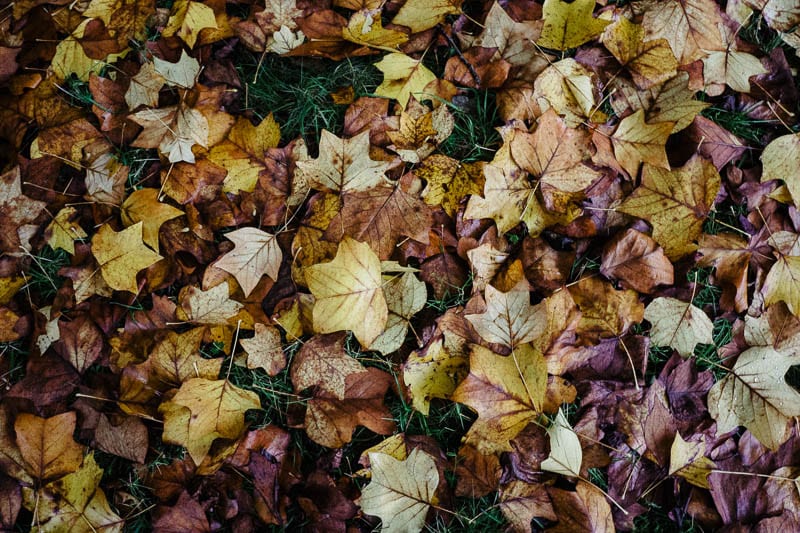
47, 445
637, 261
586, 509
185, 515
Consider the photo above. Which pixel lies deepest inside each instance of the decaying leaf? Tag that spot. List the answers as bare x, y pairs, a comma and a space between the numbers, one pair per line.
678, 324
121, 255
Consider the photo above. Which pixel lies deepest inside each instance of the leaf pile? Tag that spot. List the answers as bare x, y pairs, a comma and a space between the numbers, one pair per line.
206, 323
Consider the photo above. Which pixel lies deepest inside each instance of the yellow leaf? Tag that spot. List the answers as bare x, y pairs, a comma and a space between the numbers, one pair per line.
256, 253
212, 307
183, 73
755, 395
509, 318
449, 180
143, 206
675, 203
566, 454
343, 165
568, 88
568, 25
679, 325
506, 391
781, 161
405, 297
196, 18
783, 283
47, 445
173, 130
636, 141
144, 87
74, 503
690, 26
401, 492
204, 410
121, 255
403, 77
264, 350
70, 58
242, 154
730, 67
421, 15
649, 62
434, 374
365, 28
688, 460
348, 292
63, 232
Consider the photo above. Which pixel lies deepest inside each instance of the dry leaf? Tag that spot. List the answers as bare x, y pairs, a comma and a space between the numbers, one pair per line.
678, 324
256, 253
121, 255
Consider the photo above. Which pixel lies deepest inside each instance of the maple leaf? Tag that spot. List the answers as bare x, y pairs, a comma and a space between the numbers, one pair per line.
521, 502
405, 296
507, 392
17, 211
264, 350
509, 318
688, 460
635, 142
144, 87
420, 131
256, 253
348, 292
584, 510
204, 410
421, 15
728, 65
343, 165
401, 492
649, 62
678, 324
782, 284
73, 502
330, 421
671, 101
144, 206
780, 160
755, 395
242, 154
605, 312
637, 260
211, 307
690, 27
121, 255
568, 25
730, 255
176, 358
434, 374
568, 88
365, 27
47, 446
322, 361
566, 454
675, 202
64, 232
403, 77
380, 216
448, 181
173, 130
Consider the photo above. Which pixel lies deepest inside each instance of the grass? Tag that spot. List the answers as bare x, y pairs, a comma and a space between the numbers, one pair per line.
458, 296
42, 276
17, 356
658, 520
473, 515
138, 161
297, 91
474, 136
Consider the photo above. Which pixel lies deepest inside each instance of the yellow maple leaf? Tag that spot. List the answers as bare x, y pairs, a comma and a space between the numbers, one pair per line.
780, 162
63, 232
349, 293
143, 206
365, 27
636, 141
256, 253
568, 25
675, 203
403, 77
121, 255
421, 15
204, 410
343, 165
650, 62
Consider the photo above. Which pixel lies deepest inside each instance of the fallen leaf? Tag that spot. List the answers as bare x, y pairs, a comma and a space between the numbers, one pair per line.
421, 15
401, 492
121, 255
676, 203
144, 206
678, 324
521, 502
688, 460
566, 454
690, 26
434, 374
637, 260
63, 232
584, 510
211, 307
568, 25
47, 445
256, 253
264, 350
204, 410
636, 141
348, 292
405, 296
365, 27
650, 62
403, 77
173, 130
506, 391
780, 160
182, 74
343, 165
